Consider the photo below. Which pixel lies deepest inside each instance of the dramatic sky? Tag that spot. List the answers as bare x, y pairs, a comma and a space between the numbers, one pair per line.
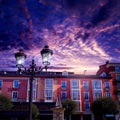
83, 34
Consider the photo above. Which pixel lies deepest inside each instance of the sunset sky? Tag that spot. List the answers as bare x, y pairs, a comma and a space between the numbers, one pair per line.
83, 34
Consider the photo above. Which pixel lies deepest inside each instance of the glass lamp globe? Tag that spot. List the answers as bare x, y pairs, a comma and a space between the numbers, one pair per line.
46, 54
20, 57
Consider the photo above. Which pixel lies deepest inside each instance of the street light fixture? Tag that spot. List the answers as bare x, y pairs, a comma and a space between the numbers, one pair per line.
32, 70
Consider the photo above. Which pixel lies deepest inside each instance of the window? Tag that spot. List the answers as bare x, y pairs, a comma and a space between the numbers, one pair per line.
1, 82
48, 94
15, 96
15, 83
86, 85
64, 73
117, 69
77, 106
97, 85
75, 95
48, 84
64, 85
97, 95
64, 95
118, 85
86, 95
34, 83
34, 90
75, 84
118, 96
108, 94
103, 74
107, 85
87, 106
118, 77
34, 95
48, 90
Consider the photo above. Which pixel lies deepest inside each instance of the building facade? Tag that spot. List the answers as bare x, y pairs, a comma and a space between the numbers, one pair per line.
112, 69
83, 89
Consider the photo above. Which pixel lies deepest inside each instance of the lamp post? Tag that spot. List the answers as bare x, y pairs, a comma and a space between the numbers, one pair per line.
32, 70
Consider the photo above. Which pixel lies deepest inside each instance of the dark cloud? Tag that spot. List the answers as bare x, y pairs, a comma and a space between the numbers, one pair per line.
74, 3
71, 3
60, 68
104, 12
9, 41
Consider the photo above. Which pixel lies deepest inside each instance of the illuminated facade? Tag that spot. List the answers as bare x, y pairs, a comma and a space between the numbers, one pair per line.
83, 89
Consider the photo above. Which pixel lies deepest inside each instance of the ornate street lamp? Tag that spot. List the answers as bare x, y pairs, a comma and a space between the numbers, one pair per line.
32, 70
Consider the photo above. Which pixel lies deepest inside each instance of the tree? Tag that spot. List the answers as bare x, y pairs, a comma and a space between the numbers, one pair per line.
69, 106
5, 103
35, 112
103, 106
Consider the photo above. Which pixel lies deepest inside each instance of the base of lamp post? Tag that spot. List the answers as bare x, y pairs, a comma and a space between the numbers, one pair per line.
58, 113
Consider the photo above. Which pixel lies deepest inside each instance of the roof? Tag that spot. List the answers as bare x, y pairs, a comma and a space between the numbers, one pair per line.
108, 64
50, 74
113, 64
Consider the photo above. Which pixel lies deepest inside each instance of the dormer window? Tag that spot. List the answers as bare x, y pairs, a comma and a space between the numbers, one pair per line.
64, 73
103, 74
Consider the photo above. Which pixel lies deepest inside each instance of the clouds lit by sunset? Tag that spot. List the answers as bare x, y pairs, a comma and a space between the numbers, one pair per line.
83, 34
